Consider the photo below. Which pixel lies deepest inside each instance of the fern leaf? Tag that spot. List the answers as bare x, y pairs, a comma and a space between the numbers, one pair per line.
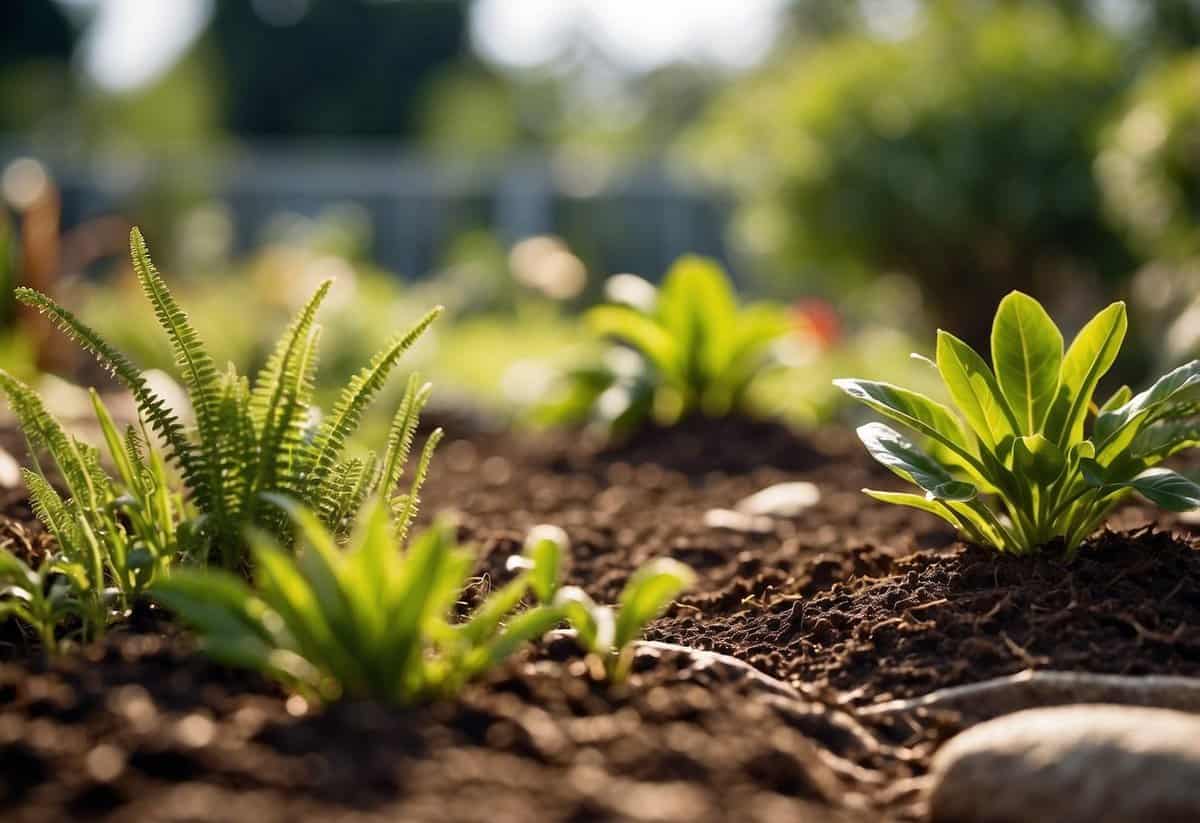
151, 406
44, 433
405, 511
280, 400
236, 442
53, 513
402, 433
343, 491
347, 412
199, 373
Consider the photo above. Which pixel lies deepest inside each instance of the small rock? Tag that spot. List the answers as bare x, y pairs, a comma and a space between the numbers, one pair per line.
10, 470
781, 500
1071, 764
737, 521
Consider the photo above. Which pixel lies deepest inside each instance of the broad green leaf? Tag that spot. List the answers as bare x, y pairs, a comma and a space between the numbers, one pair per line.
1036, 458
916, 411
1119, 398
907, 460
1088, 359
1027, 353
647, 594
916, 501
974, 389
1143, 406
641, 332
1160, 440
696, 305
1168, 489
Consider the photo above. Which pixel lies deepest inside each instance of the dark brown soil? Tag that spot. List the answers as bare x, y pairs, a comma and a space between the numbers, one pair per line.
852, 601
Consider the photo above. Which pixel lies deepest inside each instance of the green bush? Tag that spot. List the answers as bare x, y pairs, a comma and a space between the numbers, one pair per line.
961, 156
1149, 167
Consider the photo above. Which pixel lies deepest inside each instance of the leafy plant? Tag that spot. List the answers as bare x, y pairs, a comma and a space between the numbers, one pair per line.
251, 440
41, 598
114, 536
686, 347
1024, 442
609, 633
366, 621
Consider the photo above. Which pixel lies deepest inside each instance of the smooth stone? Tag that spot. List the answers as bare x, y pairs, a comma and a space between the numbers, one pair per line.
737, 521
781, 500
1071, 764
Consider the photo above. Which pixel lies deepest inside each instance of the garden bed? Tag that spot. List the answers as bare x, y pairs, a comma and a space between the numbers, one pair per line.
848, 604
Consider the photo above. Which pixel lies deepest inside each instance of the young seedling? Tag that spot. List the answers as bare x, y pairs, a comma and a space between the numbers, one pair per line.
42, 598
607, 632
367, 621
1026, 443
250, 439
687, 347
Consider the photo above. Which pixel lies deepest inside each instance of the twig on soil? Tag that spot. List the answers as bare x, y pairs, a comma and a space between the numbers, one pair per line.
1029, 689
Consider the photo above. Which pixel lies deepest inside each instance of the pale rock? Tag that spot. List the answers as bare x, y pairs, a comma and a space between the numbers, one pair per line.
781, 499
1071, 764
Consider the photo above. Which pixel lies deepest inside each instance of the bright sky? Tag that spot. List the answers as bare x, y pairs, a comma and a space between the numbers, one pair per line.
131, 42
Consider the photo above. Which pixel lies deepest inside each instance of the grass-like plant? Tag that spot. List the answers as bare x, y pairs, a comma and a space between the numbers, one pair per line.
113, 535
694, 350
367, 621
1026, 443
253, 439
372, 620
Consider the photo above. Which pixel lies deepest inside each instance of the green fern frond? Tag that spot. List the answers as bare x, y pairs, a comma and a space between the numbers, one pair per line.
44, 433
151, 406
50, 509
199, 373
280, 401
348, 411
402, 433
406, 506
237, 442
342, 492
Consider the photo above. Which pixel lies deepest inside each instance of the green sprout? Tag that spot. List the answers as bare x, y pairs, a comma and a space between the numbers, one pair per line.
1025, 442
686, 347
602, 630
43, 598
366, 621
252, 440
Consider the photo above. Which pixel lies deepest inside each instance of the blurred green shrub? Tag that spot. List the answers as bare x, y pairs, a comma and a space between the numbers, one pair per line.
961, 155
1149, 167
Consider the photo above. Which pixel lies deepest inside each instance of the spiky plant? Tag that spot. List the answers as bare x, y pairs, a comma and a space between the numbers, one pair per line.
366, 621
114, 535
251, 440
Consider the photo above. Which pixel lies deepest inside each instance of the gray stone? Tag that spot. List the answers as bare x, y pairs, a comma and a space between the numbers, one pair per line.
1071, 764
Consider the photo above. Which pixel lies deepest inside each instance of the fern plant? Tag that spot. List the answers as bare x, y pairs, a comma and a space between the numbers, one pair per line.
685, 348
1026, 445
366, 621
253, 439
